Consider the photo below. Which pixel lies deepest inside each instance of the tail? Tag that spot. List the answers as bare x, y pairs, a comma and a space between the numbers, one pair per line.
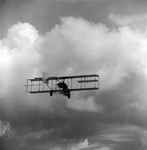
45, 77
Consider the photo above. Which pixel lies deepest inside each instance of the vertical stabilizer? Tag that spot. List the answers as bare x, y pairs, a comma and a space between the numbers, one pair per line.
45, 77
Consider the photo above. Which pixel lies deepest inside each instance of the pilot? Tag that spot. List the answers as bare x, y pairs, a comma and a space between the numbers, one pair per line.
62, 85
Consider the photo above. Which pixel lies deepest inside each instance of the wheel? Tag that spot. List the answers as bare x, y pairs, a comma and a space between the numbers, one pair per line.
68, 94
51, 93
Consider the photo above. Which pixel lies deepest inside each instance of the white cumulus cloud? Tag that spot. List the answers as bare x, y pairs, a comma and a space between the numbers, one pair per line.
76, 46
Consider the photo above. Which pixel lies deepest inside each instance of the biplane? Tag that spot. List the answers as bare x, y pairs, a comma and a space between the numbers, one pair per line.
62, 85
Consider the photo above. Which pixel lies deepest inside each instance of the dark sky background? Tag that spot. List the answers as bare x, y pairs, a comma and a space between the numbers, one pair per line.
105, 37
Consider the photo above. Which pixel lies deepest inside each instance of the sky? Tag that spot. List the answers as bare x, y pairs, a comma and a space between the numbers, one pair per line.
104, 37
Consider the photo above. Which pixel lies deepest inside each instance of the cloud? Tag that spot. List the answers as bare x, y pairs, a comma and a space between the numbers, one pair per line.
84, 105
75, 46
18, 57
138, 22
89, 47
105, 148
144, 139
117, 137
86, 145
81, 145
5, 129
55, 148
18, 60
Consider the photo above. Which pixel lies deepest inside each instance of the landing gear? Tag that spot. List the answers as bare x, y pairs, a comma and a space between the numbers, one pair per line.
51, 93
68, 94
65, 92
